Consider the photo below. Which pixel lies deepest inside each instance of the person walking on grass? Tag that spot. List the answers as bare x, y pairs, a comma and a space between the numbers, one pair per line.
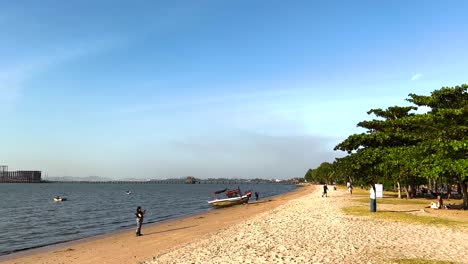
139, 219
325, 189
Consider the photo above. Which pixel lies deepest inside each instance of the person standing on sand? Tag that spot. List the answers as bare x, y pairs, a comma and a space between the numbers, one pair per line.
325, 189
139, 219
256, 196
373, 202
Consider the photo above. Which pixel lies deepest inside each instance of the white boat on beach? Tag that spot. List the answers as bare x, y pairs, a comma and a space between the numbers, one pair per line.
233, 197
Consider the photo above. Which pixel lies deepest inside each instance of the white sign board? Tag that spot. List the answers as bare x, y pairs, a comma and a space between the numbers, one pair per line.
378, 190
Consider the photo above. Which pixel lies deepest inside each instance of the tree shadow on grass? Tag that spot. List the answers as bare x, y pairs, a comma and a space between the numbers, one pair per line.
401, 211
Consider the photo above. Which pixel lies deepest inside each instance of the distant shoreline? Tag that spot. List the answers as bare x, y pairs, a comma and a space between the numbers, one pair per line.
176, 181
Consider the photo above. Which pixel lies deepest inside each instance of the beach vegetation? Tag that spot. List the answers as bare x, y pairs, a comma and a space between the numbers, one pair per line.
325, 173
423, 145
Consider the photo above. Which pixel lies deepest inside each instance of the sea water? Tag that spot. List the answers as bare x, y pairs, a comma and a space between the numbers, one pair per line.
29, 218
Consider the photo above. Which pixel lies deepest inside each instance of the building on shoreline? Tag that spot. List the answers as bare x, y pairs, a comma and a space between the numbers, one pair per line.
190, 180
19, 176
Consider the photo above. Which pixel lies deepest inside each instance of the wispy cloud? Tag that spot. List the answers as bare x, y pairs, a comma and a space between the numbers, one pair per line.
245, 93
226, 98
416, 77
15, 75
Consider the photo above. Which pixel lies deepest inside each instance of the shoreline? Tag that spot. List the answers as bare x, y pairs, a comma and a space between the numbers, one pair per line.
178, 230
314, 229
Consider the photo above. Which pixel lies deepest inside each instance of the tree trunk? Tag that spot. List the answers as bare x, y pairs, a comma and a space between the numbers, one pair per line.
399, 190
449, 191
410, 192
406, 191
464, 186
459, 189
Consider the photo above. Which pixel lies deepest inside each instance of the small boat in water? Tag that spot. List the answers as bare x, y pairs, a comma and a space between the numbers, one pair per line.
128, 192
233, 197
59, 199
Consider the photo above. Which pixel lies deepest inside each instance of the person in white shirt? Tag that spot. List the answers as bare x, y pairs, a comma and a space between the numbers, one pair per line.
373, 201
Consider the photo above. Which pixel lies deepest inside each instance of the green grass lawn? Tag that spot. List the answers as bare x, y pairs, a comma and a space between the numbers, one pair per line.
390, 210
387, 200
363, 210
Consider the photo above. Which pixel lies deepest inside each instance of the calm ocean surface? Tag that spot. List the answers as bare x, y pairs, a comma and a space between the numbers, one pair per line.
29, 217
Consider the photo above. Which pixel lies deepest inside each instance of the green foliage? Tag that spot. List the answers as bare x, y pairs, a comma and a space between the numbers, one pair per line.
323, 174
403, 146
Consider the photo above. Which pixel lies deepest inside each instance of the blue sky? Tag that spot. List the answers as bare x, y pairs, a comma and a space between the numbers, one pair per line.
158, 89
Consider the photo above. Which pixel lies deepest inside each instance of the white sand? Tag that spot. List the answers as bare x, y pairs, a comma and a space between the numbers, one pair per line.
314, 230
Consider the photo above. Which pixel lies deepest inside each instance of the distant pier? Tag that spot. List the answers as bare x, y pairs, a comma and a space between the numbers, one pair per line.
176, 181
18, 176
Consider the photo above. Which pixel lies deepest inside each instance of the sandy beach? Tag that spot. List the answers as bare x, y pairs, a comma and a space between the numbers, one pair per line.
313, 229
297, 227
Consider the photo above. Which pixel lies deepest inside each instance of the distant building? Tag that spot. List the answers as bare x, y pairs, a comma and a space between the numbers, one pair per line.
19, 176
190, 180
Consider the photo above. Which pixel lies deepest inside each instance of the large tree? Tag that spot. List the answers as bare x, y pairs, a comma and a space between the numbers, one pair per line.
403, 146
445, 137
374, 152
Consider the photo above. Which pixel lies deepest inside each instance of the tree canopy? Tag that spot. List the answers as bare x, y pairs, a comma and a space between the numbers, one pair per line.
404, 144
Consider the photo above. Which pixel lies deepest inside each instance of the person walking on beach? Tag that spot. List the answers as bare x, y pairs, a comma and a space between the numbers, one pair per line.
139, 219
256, 196
325, 189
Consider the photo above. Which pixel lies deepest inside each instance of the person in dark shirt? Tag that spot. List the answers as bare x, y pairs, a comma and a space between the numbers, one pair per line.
256, 196
325, 189
139, 219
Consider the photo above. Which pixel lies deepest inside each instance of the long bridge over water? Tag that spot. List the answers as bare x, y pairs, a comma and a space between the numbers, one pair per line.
7, 176
171, 181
